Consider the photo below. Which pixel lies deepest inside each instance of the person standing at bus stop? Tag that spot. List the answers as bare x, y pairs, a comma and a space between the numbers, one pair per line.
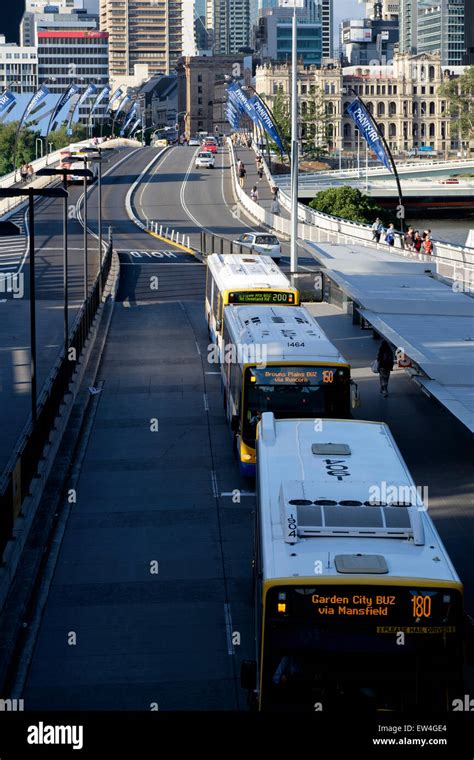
385, 359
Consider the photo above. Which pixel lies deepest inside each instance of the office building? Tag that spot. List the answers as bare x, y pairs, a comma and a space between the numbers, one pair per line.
67, 19
274, 33
143, 33
228, 25
404, 98
468, 59
18, 64
369, 41
440, 28
408, 18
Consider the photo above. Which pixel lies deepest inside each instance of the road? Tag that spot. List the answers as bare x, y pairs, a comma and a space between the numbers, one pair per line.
153, 575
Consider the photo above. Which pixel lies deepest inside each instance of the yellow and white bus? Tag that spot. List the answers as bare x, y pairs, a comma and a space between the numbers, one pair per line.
358, 604
277, 358
234, 279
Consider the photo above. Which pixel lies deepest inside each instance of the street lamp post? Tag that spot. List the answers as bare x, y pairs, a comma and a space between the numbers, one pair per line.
64, 173
294, 148
31, 193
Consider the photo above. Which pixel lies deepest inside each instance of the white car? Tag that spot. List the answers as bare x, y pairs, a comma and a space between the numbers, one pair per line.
194, 142
261, 242
204, 160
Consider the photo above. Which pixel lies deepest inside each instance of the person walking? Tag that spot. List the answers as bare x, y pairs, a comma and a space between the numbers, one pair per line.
390, 235
385, 359
24, 173
275, 207
427, 246
409, 239
242, 175
417, 242
275, 191
31, 173
254, 194
260, 172
377, 229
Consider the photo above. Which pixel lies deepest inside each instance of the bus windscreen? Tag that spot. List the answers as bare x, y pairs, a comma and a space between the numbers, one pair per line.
294, 391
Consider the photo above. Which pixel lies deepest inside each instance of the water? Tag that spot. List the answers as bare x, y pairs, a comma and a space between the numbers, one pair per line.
450, 230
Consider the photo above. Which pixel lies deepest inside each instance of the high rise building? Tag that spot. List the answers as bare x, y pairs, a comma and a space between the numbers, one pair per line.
388, 10
314, 11
228, 24
369, 41
54, 17
327, 21
469, 33
432, 26
273, 36
143, 32
19, 64
440, 28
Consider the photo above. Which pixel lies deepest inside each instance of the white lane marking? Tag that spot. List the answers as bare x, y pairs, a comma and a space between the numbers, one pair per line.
215, 490
228, 629
152, 174
183, 201
212, 373
206, 402
197, 348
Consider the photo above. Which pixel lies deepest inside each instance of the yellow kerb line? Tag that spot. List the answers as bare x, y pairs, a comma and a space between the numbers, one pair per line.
167, 240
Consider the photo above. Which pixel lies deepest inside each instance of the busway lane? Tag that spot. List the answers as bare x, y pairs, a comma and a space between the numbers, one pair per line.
145, 497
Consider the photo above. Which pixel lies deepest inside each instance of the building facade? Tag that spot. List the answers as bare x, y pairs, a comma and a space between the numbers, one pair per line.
435, 26
408, 26
142, 32
201, 82
468, 59
228, 25
18, 64
273, 36
369, 41
403, 97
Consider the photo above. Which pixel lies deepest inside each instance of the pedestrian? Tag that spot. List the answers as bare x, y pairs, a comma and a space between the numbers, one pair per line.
275, 191
31, 173
427, 246
275, 207
249, 142
417, 242
390, 235
24, 173
409, 238
260, 172
239, 165
254, 194
242, 175
426, 233
377, 229
385, 359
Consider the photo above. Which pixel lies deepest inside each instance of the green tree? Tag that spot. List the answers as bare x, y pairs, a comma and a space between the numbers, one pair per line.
281, 112
60, 138
459, 93
25, 146
347, 203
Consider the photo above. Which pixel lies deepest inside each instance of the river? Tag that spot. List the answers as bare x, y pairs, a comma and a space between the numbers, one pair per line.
450, 230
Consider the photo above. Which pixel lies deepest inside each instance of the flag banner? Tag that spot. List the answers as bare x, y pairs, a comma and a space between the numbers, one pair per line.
117, 94
232, 118
362, 118
242, 102
266, 121
122, 105
90, 90
36, 100
100, 97
128, 119
233, 110
133, 129
7, 98
72, 90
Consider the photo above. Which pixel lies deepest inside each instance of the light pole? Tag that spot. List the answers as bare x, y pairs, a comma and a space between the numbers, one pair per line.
22, 118
64, 173
32, 193
294, 148
40, 140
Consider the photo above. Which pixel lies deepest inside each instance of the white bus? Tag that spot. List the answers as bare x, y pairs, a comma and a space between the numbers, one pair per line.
358, 604
277, 358
234, 279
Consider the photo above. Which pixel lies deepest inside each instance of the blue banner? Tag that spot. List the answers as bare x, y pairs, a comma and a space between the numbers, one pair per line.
37, 98
6, 100
362, 118
266, 121
121, 106
117, 94
105, 93
90, 90
131, 115
241, 102
72, 90
133, 129
232, 114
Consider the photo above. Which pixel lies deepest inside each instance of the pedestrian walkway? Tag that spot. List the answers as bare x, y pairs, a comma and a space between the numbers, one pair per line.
14, 247
263, 186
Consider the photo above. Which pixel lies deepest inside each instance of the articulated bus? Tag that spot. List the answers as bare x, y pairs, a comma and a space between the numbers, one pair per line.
234, 279
358, 605
278, 359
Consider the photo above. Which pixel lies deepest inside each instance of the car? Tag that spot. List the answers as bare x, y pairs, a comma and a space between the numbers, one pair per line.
194, 141
204, 160
260, 242
209, 146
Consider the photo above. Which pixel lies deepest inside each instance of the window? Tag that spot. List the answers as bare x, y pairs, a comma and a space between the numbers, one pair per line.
199, 77
392, 130
380, 109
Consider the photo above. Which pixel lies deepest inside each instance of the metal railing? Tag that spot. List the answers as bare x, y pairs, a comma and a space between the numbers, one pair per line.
22, 467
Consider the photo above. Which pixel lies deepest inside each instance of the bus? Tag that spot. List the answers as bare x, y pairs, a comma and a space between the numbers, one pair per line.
277, 358
358, 606
234, 279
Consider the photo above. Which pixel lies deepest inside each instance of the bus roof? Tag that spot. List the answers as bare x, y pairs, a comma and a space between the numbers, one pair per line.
350, 463
289, 333
235, 271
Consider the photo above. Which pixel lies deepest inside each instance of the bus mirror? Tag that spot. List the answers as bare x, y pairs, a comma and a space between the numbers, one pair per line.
469, 640
355, 398
248, 675
235, 423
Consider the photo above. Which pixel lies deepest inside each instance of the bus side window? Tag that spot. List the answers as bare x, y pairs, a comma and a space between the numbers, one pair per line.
219, 310
209, 281
215, 295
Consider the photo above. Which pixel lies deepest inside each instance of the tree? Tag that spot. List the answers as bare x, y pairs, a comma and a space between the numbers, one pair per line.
347, 203
282, 117
25, 146
313, 121
60, 138
459, 93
